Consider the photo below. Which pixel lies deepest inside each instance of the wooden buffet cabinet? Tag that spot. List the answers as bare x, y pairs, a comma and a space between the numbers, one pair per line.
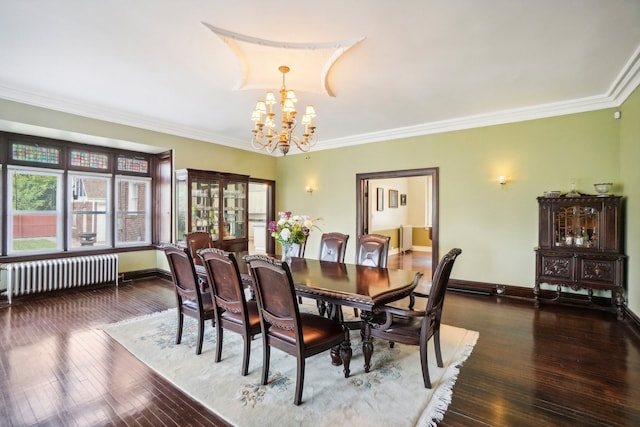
216, 203
580, 246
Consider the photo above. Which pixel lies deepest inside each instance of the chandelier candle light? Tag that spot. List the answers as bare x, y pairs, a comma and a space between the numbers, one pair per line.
265, 133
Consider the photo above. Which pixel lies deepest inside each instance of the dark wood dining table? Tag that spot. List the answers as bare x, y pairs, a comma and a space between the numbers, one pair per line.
346, 285
350, 285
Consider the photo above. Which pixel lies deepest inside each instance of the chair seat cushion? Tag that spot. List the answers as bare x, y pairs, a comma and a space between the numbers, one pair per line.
405, 330
252, 313
207, 304
317, 330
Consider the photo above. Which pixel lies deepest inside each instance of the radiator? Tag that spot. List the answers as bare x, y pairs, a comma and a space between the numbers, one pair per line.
406, 238
47, 275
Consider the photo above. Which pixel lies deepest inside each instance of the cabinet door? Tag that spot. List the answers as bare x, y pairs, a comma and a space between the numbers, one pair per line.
576, 225
235, 210
205, 203
555, 268
598, 273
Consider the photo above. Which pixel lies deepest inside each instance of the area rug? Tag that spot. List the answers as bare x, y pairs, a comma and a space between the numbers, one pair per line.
391, 394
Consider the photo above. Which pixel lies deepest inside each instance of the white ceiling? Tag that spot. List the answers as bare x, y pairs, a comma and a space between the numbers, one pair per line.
423, 66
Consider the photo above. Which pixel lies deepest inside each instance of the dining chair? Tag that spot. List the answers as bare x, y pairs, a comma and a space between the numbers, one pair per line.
372, 250
190, 298
414, 321
333, 247
232, 310
197, 240
283, 325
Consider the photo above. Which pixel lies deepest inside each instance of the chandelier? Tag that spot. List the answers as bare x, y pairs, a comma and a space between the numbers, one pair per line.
267, 136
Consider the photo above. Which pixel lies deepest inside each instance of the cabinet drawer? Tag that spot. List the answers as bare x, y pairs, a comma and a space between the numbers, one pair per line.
601, 272
557, 267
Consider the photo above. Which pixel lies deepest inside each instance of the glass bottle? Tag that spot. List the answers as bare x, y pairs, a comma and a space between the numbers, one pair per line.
572, 190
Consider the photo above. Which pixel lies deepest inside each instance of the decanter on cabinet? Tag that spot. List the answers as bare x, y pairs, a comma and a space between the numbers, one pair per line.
580, 247
213, 202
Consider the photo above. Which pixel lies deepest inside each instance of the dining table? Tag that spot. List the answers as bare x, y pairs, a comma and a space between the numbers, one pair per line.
345, 285
352, 285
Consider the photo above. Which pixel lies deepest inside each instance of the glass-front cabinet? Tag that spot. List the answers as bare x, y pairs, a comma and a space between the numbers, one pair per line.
213, 202
580, 247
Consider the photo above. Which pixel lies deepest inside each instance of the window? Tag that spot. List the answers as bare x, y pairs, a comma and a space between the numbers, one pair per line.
133, 210
34, 210
69, 197
90, 213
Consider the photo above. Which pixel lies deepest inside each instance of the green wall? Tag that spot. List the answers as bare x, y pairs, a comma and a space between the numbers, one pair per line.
496, 226
630, 176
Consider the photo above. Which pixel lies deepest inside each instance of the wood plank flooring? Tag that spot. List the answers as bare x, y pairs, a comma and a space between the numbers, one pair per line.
554, 366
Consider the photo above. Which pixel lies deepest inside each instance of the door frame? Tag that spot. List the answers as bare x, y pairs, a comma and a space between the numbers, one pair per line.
270, 245
362, 202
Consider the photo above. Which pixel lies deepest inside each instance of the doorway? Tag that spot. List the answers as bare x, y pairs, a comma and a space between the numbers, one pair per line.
261, 206
366, 194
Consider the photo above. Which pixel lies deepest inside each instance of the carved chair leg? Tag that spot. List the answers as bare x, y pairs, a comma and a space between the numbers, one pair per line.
299, 380
266, 353
246, 355
425, 366
219, 337
179, 332
200, 335
436, 343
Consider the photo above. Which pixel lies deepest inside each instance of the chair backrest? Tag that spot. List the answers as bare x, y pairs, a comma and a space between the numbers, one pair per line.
333, 247
225, 283
197, 240
372, 250
183, 274
440, 281
276, 297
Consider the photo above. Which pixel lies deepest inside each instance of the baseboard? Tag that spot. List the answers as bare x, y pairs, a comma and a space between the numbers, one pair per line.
145, 274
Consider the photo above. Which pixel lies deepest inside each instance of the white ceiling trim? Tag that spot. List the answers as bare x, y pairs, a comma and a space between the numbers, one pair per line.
628, 79
470, 122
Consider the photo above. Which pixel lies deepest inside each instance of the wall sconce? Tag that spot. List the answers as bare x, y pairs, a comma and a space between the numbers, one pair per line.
502, 180
308, 189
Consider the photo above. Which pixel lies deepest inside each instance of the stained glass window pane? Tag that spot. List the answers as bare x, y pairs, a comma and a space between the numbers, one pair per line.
127, 164
35, 153
87, 159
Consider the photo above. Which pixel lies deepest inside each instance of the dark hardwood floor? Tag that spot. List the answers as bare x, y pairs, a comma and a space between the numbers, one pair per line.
554, 366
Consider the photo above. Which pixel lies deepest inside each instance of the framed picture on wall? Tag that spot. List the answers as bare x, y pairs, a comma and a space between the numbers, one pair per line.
403, 200
380, 199
393, 198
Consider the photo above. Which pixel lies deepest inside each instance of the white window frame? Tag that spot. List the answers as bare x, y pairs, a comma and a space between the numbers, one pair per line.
16, 170
148, 212
108, 208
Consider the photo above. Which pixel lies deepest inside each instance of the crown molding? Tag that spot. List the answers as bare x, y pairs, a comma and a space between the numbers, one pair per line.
625, 83
476, 121
109, 115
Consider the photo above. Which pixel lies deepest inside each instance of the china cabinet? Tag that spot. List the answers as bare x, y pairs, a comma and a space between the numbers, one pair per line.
213, 202
580, 247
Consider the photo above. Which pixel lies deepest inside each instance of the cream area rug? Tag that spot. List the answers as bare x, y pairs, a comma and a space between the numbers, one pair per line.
391, 394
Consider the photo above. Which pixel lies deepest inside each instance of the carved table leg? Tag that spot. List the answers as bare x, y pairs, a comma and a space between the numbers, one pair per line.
322, 307
367, 344
346, 352
536, 295
330, 310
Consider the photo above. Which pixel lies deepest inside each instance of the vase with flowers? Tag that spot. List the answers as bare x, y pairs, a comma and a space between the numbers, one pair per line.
289, 230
